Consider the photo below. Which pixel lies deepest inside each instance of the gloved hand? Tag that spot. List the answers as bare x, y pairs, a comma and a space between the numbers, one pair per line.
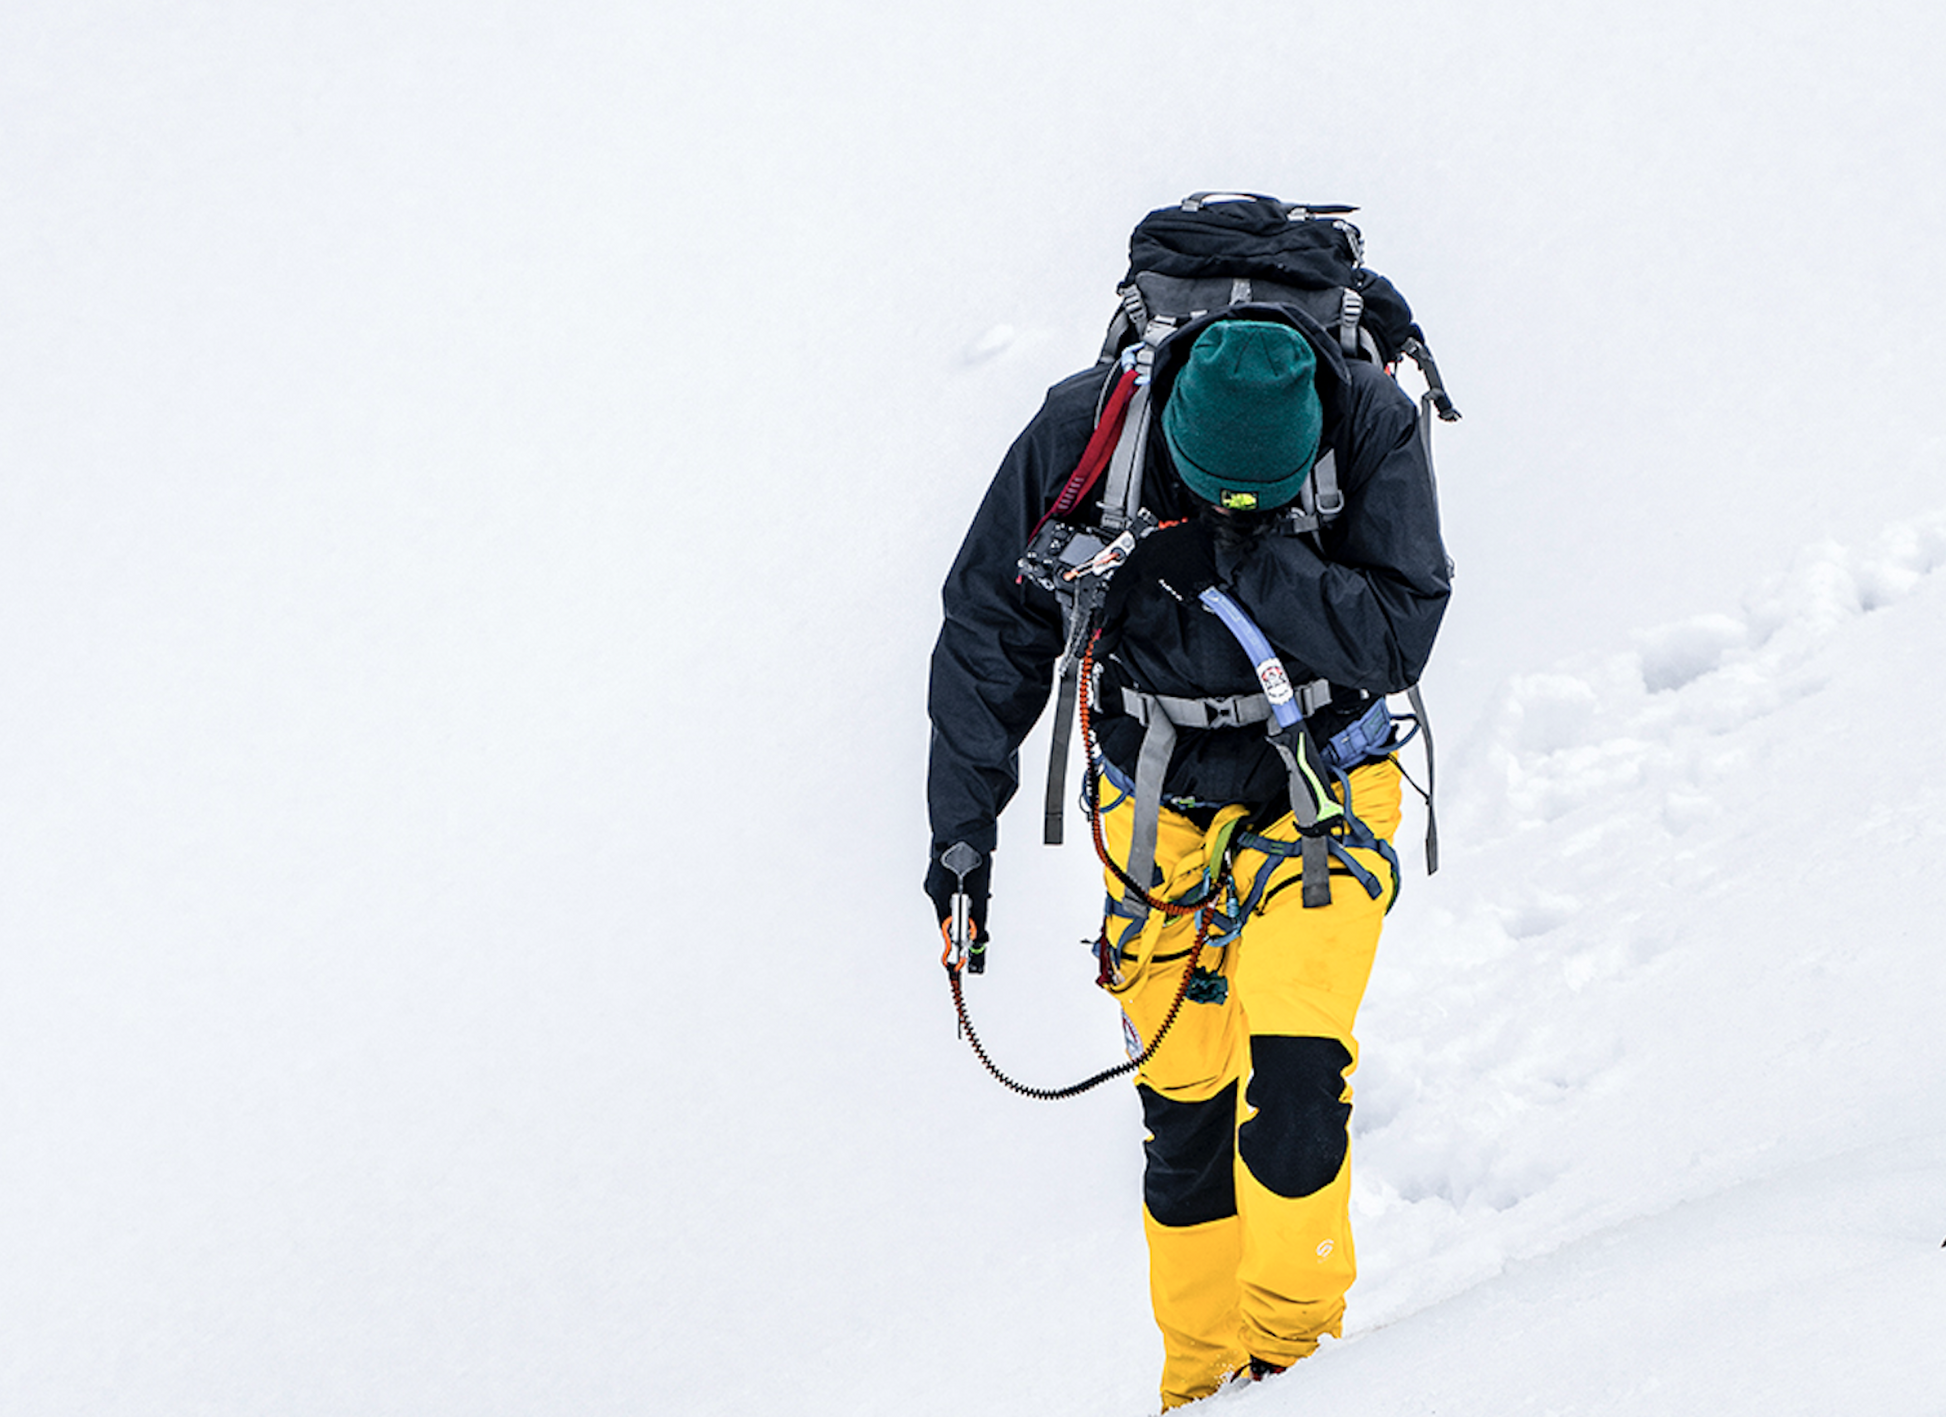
943, 882
1179, 560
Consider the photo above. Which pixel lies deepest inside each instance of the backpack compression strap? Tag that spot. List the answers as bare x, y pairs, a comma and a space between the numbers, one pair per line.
1418, 703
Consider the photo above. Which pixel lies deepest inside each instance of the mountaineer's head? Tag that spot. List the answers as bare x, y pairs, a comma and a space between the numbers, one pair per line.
1243, 419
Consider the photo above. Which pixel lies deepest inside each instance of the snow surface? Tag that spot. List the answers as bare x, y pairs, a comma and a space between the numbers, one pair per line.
475, 482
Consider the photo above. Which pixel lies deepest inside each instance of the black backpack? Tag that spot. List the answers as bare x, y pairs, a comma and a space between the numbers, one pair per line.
1209, 252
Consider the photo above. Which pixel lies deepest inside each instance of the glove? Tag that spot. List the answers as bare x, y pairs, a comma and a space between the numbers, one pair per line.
943, 883
1179, 560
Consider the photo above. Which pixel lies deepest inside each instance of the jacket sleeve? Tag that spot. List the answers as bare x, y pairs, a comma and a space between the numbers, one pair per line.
994, 661
1366, 617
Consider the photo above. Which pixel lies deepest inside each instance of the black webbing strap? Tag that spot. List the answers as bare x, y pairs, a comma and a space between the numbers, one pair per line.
1314, 848
1417, 352
1316, 857
1081, 626
1057, 754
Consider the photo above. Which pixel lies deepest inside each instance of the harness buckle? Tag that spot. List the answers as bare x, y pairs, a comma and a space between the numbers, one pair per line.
1222, 713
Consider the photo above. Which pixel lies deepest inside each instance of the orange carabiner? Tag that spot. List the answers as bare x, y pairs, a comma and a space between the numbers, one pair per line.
954, 955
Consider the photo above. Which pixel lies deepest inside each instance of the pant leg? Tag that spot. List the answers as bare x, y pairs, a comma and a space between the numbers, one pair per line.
1258, 1266
1188, 1093
1299, 978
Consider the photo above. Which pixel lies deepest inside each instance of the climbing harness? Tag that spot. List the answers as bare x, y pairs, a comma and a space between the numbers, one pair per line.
1327, 829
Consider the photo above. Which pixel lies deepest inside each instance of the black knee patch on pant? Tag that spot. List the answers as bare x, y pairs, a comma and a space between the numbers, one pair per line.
1190, 1177
1296, 1142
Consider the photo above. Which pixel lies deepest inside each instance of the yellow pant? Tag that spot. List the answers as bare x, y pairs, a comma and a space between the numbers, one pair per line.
1247, 1185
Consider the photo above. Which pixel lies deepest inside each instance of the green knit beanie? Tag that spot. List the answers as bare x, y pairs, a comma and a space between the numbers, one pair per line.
1243, 420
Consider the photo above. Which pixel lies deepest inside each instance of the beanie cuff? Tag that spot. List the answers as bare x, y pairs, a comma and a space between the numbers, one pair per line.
1234, 494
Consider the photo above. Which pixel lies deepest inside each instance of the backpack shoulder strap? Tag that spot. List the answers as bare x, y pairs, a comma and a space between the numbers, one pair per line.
1121, 497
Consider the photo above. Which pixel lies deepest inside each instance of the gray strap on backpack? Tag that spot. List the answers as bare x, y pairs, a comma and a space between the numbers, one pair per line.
1320, 499
1432, 820
1121, 496
1351, 308
1327, 498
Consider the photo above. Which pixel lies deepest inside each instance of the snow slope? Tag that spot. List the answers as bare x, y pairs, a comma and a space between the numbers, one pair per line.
1655, 1076
475, 481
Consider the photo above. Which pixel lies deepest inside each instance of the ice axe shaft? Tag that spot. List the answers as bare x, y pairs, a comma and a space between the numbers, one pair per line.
965, 943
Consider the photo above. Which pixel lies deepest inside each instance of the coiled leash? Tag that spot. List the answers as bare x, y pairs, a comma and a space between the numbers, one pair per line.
953, 961
966, 954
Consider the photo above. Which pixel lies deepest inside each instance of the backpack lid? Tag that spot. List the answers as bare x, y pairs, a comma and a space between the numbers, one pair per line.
1307, 255
1259, 237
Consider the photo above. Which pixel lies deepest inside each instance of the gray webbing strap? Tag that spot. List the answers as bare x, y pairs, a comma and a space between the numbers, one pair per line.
1123, 492
1432, 821
1427, 414
1326, 497
1320, 498
1351, 306
1057, 754
1158, 746
1237, 711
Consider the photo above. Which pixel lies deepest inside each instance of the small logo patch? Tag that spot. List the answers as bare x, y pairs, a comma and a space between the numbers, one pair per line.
1325, 1247
1276, 682
1240, 501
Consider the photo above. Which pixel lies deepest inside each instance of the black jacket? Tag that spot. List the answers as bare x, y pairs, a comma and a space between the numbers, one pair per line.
1362, 615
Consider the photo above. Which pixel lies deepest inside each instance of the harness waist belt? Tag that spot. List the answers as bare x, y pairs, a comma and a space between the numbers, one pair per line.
1236, 711
1160, 716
